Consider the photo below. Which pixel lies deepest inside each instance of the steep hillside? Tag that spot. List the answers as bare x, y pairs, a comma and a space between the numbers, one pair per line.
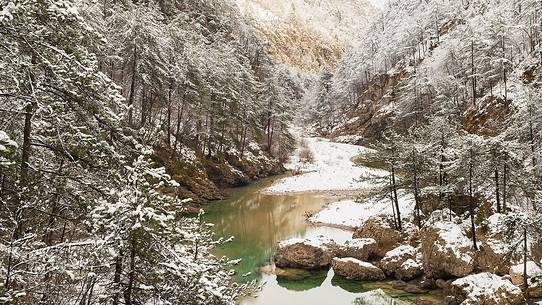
307, 34
475, 61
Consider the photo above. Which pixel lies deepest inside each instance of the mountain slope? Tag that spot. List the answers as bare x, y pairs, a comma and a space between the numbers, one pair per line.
308, 33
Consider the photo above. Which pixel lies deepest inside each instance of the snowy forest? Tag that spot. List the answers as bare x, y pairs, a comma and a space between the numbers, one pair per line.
261, 152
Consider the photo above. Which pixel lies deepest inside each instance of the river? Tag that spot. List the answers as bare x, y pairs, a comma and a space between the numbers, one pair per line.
258, 221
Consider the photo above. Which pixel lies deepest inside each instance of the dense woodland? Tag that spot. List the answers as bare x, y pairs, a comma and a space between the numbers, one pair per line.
90, 91
100, 101
449, 95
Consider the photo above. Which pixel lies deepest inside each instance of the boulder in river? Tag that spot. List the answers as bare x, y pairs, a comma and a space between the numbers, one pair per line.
378, 297
446, 251
381, 230
403, 263
488, 289
311, 253
360, 248
355, 269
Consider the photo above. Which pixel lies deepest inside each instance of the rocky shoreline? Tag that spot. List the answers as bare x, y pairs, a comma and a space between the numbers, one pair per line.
440, 255
207, 179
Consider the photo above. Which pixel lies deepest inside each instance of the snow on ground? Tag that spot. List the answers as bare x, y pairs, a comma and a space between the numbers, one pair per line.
352, 214
533, 270
332, 169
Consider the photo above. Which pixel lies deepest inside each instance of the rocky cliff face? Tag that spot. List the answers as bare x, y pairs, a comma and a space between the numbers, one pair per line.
308, 33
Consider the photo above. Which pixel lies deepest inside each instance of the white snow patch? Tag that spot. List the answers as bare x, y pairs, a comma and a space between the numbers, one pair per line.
319, 241
410, 263
355, 261
332, 169
359, 243
397, 253
353, 214
533, 270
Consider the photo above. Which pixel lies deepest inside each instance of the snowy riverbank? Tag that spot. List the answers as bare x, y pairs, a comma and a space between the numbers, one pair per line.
349, 214
331, 170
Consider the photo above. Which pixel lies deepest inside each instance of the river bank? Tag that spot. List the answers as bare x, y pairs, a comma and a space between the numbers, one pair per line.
258, 221
259, 216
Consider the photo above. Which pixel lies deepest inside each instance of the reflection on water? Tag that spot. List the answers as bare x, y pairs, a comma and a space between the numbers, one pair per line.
258, 221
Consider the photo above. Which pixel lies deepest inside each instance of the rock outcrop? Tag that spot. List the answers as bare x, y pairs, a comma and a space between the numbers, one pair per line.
495, 254
490, 260
381, 230
486, 288
403, 263
313, 253
359, 248
354, 269
446, 251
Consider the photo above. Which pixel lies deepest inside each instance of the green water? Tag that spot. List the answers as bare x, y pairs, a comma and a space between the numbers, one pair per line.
258, 222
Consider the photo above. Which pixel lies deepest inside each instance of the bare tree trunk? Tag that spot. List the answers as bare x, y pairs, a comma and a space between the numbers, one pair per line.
392, 197
180, 113
395, 199
270, 136
505, 78
132, 87
168, 123
143, 117
23, 176
473, 75
504, 182
416, 193
531, 135
117, 277
441, 170
131, 275
471, 203
525, 282
244, 141
497, 191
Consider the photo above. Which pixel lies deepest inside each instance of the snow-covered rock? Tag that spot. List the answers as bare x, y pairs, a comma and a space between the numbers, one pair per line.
378, 297
381, 230
402, 263
446, 251
516, 272
311, 253
488, 289
360, 248
495, 253
355, 269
